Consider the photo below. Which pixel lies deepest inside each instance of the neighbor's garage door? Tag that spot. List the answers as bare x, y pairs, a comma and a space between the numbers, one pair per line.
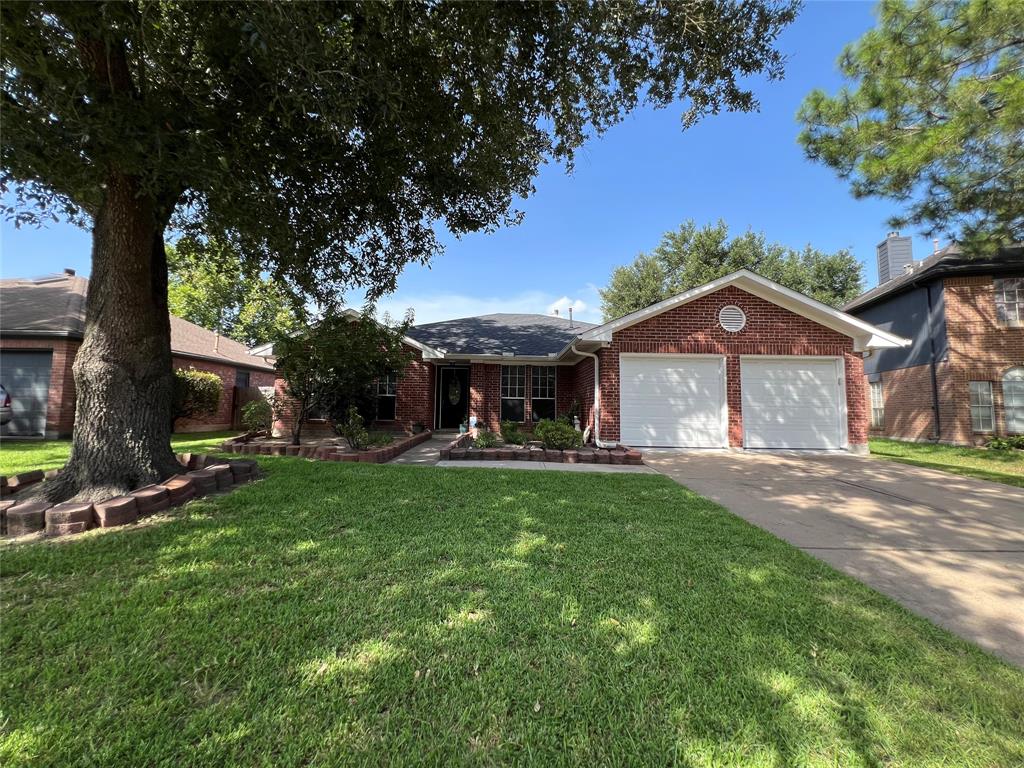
673, 401
26, 375
792, 403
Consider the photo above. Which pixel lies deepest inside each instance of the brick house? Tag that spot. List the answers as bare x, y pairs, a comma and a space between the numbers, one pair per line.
738, 362
41, 328
961, 380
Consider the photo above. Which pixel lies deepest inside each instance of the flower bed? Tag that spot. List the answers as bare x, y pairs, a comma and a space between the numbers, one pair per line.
204, 475
330, 451
460, 449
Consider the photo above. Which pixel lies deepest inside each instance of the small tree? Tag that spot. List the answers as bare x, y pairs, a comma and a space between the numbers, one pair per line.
330, 365
196, 394
258, 415
353, 429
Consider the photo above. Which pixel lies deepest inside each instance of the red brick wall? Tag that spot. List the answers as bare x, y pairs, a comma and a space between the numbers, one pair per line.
907, 398
485, 394
565, 389
223, 417
415, 401
693, 328
60, 408
584, 371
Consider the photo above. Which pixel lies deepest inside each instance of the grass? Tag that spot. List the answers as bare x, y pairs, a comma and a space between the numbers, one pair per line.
998, 466
22, 455
338, 614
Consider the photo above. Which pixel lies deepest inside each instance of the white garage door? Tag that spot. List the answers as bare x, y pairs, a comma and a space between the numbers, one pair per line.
673, 401
792, 403
26, 376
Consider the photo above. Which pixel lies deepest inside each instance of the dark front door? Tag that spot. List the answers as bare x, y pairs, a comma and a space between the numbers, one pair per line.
454, 396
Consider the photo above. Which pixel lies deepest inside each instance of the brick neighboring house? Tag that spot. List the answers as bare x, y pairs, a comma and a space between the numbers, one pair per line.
961, 380
41, 327
739, 362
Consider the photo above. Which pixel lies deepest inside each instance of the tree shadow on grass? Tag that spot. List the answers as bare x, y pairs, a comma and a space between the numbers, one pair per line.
333, 615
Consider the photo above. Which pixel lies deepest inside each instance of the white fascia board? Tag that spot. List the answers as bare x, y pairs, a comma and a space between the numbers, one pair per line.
865, 335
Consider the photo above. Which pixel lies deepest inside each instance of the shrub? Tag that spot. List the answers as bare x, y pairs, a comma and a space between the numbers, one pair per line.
1006, 443
196, 394
510, 433
485, 439
558, 435
257, 415
353, 429
379, 438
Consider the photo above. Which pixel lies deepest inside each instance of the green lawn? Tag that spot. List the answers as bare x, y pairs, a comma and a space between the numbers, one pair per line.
998, 466
23, 455
338, 614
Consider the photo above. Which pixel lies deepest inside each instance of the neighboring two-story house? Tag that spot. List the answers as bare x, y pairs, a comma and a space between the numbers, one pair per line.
962, 378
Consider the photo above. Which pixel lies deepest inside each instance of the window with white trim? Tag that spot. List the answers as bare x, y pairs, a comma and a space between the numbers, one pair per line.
387, 397
1013, 400
513, 392
1010, 300
982, 412
542, 392
877, 405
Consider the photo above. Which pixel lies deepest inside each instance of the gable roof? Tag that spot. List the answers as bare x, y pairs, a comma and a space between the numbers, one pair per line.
864, 335
502, 334
949, 262
54, 306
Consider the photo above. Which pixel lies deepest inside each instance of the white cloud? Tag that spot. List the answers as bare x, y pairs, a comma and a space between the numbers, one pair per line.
432, 307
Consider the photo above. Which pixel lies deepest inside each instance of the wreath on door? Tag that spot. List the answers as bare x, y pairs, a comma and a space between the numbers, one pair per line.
454, 392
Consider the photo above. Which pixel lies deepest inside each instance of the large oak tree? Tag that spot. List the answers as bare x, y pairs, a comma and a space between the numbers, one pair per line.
324, 140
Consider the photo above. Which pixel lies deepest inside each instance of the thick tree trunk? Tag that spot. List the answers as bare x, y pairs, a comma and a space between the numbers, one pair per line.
122, 371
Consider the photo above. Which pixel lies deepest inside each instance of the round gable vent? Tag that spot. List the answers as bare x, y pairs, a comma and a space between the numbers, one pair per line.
732, 318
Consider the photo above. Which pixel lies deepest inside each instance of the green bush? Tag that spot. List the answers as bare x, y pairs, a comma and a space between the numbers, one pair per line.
196, 394
510, 433
379, 438
257, 415
353, 429
558, 435
485, 439
1006, 443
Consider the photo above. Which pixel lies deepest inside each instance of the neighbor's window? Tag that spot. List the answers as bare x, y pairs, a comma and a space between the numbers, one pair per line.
877, 405
1013, 400
387, 397
241, 379
1010, 300
982, 417
542, 394
513, 392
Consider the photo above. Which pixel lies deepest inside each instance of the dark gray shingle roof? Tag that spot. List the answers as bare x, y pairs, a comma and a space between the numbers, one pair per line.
520, 334
948, 262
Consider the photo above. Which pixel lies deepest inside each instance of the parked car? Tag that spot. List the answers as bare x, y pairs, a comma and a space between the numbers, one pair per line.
6, 412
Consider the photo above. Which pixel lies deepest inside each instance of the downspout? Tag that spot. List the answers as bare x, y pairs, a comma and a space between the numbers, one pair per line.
934, 376
597, 398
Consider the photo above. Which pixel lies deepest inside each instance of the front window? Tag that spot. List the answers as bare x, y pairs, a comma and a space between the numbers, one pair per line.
1013, 400
387, 397
1010, 300
877, 405
513, 392
982, 416
241, 379
542, 393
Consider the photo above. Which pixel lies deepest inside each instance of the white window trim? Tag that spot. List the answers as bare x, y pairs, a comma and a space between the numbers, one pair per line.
1013, 378
502, 397
991, 406
554, 387
1017, 303
877, 405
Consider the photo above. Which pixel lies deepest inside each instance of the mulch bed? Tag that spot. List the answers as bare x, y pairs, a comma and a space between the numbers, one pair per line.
324, 450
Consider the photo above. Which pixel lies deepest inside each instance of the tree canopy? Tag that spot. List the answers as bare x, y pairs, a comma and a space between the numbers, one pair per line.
211, 286
690, 256
934, 117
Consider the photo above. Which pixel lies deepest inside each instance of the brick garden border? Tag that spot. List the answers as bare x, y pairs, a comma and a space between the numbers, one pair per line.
327, 452
204, 475
460, 450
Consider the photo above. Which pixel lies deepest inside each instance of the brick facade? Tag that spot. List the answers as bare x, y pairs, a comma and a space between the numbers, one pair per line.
980, 349
693, 328
60, 409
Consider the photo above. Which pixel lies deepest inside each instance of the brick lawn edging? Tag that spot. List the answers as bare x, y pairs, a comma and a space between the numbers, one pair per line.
459, 449
326, 452
203, 475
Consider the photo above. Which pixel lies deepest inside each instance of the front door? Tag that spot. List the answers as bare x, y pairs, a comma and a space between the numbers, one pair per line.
454, 397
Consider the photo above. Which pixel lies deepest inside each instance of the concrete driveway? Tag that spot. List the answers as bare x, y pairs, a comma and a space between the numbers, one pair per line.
947, 547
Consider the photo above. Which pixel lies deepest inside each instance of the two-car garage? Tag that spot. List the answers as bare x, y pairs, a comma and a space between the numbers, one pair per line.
786, 402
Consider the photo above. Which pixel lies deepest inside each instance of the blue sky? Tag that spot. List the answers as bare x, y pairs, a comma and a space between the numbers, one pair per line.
642, 178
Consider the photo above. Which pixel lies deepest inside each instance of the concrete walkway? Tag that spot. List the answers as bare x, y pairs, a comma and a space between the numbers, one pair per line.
947, 547
425, 454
